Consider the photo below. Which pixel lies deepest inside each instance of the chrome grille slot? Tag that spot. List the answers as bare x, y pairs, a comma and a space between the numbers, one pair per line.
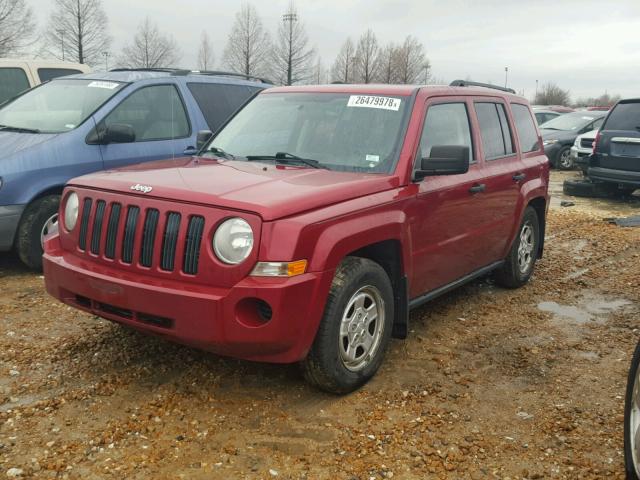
84, 223
97, 227
112, 231
129, 234
169, 242
192, 246
148, 237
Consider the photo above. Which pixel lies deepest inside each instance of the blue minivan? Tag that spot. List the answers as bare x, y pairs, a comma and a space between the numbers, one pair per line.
79, 124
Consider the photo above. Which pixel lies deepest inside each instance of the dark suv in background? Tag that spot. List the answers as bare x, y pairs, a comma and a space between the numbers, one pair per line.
616, 154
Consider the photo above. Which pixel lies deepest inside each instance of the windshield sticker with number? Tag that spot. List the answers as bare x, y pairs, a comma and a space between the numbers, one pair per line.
367, 101
108, 85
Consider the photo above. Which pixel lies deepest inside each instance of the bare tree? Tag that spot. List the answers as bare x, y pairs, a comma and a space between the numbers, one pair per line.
16, 26
150, 49
367, 57
320, 75
78, 31
387, 59
604, 100
551, 94
249, 44
410, 60
292, 56
205, 53
342, 69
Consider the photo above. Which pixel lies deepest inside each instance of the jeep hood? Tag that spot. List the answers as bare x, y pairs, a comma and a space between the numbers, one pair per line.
271, 191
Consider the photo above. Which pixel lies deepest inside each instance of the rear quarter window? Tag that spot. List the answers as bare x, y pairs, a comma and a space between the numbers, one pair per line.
527, 134
624, 116
218, 102
12, 82
47, 74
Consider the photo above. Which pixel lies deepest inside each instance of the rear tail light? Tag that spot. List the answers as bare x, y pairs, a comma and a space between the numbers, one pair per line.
595, 142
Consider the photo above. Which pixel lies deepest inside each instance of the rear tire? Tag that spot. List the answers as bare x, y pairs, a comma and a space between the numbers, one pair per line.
631, 413
591, 189
519, 264
355, 329
30, 230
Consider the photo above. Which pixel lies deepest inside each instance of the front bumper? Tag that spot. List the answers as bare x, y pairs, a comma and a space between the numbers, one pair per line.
621, 177
9, 219
222, 320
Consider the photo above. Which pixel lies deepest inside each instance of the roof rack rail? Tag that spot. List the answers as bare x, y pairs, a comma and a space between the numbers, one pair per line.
466, 83
231, 74
172, 71
184, 72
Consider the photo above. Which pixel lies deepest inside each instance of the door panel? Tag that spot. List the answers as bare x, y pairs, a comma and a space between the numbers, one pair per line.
445, 217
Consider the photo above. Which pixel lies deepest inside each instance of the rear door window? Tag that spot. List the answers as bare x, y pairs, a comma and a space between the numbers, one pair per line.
625, 116
155, 113
218, 102
446, 124
527, 134
47, 74
12, 82
494, 130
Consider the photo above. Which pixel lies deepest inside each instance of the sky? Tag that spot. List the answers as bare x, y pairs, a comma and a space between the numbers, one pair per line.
585, 46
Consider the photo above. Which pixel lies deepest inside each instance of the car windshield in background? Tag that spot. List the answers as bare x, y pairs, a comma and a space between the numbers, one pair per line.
57, 106
570, 121
356, 133
625, 116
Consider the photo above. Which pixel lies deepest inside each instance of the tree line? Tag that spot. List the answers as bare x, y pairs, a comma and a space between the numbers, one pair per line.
78, 30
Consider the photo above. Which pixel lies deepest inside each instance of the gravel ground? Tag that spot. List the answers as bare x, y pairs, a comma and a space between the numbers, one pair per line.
523, 384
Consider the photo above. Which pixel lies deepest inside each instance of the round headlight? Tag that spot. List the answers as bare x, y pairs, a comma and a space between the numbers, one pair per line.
233, 241
71, 211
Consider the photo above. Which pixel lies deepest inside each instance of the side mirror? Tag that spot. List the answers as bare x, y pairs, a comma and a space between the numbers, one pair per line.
202, 138
119, 133
444, 160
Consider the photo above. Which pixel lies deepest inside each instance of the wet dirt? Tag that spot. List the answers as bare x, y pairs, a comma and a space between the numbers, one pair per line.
491, 383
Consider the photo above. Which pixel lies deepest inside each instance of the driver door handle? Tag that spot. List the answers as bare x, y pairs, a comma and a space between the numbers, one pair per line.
518, 177
477, 188
190, 151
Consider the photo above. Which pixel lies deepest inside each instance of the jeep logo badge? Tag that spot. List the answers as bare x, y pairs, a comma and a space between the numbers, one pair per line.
141, 188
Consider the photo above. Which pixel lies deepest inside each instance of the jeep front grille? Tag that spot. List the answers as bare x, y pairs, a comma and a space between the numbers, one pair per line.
140, 234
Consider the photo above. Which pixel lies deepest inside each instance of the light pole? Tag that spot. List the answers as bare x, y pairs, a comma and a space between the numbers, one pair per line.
536, 90
61, 33
426, 67
106, 60
290, 17
506, 76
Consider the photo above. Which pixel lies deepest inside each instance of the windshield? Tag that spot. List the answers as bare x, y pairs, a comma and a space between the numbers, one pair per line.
357, 133
570, 121
57, 106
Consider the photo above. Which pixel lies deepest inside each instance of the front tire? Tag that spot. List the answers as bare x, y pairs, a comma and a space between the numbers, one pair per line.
355, 329
519, 264
39, 216
632, 419
564, 160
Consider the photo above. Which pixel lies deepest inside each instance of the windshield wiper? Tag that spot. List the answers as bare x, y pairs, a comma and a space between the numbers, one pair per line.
19, 129
221, 153
288, 158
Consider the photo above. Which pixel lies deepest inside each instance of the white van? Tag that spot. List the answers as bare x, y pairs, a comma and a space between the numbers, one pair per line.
19, 75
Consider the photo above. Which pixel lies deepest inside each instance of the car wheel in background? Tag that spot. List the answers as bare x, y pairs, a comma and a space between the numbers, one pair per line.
38, 218
355, 329
632, 419
564, 160
519, 264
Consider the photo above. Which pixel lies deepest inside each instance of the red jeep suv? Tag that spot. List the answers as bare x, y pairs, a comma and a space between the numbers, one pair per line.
311, 223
